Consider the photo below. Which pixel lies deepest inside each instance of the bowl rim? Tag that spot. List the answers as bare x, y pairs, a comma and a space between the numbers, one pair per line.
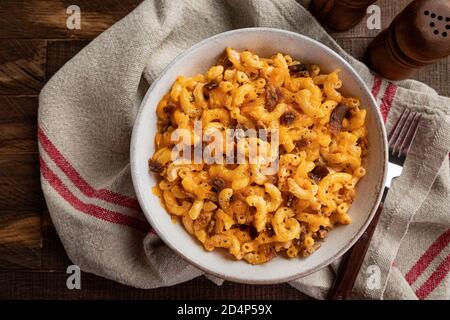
274, 279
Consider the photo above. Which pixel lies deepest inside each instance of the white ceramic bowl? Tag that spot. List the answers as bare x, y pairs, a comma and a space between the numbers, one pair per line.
198, 59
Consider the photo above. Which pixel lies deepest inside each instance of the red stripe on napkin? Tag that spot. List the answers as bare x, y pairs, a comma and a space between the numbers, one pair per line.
435, 279
90, 209
429, 255
80, 182
376, 86
387, 100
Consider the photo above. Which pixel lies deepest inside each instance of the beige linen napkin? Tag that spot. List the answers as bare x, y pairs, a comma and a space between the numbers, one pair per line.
86, 115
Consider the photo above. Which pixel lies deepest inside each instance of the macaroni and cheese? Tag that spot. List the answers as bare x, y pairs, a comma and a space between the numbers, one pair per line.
252, 212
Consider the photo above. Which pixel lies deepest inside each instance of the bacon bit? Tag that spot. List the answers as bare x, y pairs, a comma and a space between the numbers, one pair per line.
273, 97
336, 118
163, 125
232, 166
302, 233
217, 184
363, 142
268, 251
170, 107
299, 70
320, 234
296, 106
211, 85
301, 239
272, 179
269, 231
211, 226
280, 95
252, 231
254, 75
319, 172
348, 114
260, 126
302, 143
224, 61
305, 252
208, 87
155, 166
287, 118
289, 200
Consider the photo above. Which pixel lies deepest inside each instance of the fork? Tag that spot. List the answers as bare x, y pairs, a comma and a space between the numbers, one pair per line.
400, 140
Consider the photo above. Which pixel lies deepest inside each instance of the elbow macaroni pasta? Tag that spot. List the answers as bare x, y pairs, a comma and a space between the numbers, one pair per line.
237, 207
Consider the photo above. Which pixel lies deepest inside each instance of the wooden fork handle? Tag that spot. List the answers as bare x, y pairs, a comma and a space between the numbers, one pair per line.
352, 262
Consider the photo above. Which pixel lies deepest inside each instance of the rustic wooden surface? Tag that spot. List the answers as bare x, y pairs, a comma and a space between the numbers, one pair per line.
34, 44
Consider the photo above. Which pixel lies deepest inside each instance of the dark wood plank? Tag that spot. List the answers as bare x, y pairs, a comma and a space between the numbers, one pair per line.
20, 239
20, 187
22, 66
54, 256
46, 285
18, 124
436, 75
61, 51
46, 19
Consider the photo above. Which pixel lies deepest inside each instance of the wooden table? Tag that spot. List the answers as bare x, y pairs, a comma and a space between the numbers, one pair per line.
34, 44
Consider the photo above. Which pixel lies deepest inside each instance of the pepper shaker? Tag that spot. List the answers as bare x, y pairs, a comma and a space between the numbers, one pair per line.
418, 36
339, 15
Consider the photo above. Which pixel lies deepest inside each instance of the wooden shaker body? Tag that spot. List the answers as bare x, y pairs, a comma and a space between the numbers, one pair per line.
339, 15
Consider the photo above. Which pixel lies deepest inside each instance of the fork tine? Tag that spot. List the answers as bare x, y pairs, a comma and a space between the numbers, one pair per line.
406, 124
409, 137
403, 133
396, 131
